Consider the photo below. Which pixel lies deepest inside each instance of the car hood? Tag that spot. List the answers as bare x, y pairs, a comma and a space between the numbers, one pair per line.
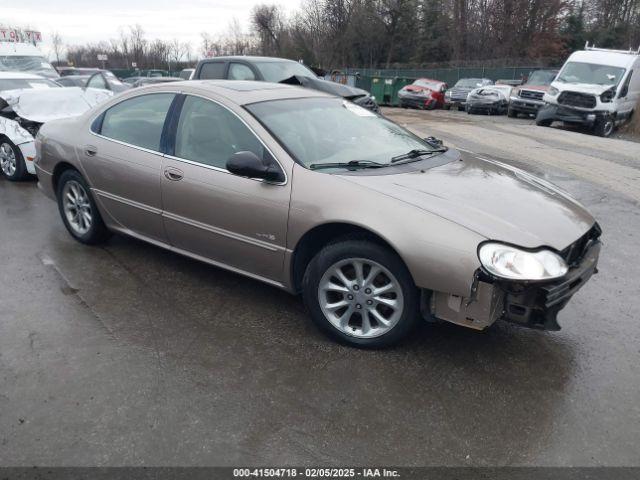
53, 103
326, 86
417, 88
582, 87
540, 88
495, 200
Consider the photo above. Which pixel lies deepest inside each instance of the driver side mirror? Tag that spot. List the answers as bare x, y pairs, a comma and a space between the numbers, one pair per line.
248, 164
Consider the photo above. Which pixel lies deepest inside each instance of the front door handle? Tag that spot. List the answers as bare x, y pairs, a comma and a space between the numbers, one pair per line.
173, 174
90, 150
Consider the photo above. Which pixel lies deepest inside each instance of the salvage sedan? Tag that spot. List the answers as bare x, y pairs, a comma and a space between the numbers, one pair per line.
489, 100
423, 93
376, 227
26, 102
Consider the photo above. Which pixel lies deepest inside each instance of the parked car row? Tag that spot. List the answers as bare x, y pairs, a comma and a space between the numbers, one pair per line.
596, 88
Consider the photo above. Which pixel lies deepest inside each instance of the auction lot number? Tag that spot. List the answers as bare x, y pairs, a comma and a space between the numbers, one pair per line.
315, 472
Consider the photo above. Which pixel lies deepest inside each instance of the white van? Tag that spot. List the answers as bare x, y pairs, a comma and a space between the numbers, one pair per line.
25, 58
596, 87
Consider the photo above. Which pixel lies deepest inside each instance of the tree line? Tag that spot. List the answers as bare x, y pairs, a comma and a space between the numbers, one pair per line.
412, 33
332, 34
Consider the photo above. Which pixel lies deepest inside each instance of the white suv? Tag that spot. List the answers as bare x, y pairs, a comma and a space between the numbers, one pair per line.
596, 87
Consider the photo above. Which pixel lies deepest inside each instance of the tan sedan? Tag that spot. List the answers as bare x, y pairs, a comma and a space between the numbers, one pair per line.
311, 193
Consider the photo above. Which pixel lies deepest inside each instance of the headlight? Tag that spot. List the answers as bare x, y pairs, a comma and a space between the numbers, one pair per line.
509, 262
447, 93
553, 91
607, 96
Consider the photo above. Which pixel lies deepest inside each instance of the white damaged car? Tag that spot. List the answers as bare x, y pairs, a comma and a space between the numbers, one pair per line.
26, 102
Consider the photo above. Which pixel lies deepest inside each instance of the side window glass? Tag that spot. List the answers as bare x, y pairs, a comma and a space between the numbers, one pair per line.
625, 87
239, 71
97, 82
138, 121
209, 133
212, 71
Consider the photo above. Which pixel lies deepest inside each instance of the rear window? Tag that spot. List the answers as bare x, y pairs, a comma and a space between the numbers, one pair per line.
212, 70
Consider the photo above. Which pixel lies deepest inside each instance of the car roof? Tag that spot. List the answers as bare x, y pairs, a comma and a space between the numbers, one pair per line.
600, 57
20, 75
240, 92
249, 58
428, 80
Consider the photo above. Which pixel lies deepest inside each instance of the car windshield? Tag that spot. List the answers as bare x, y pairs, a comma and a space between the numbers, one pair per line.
578, 72
278, 71
21, 63
317, 131
469, 83
541, 77
20, 83
428, 84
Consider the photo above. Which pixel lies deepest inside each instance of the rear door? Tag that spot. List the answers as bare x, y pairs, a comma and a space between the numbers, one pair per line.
123, 161
231, 220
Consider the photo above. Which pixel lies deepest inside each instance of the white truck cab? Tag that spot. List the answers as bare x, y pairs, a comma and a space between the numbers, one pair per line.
22, 56
596, 87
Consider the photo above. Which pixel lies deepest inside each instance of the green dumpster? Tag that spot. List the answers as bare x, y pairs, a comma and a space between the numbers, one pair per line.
382, 89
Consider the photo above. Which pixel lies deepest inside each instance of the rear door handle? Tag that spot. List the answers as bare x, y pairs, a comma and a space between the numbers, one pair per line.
173, 174
90, 150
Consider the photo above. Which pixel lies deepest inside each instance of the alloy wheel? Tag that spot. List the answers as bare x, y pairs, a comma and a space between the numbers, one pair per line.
77, 207
361, 298
7, 159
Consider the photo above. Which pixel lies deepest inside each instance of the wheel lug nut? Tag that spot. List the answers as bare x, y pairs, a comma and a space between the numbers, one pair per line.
358, 306
369, 302
368, 291
350, 297
356, 287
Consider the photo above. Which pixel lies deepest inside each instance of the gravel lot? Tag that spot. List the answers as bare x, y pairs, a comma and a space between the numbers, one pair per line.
129, 354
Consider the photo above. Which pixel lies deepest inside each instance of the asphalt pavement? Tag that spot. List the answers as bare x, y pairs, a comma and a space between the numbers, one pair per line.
127, 354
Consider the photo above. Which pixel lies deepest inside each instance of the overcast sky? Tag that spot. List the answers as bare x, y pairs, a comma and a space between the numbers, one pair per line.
80, 21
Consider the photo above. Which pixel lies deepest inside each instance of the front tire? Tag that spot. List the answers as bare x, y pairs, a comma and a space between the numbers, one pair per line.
544, 123
78, 210
361, 294
604, 127
512, 113
11, 161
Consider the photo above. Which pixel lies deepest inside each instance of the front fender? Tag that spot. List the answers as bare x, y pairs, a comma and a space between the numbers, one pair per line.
440, 254
14, 132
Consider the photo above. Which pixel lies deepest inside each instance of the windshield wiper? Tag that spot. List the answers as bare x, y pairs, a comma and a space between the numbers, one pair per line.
415, 153
351, 164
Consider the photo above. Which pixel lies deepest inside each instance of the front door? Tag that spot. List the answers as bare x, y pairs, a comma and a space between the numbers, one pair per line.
123, 163
235, 221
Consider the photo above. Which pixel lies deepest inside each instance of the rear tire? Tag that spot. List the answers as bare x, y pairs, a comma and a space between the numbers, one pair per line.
544, 123
512, 113
361, 294
78, 209
11, 161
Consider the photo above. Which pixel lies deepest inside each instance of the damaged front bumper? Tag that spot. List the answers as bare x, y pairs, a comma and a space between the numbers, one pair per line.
530, 304
570, 115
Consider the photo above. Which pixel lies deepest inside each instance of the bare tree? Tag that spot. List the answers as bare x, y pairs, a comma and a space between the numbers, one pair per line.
56, 44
